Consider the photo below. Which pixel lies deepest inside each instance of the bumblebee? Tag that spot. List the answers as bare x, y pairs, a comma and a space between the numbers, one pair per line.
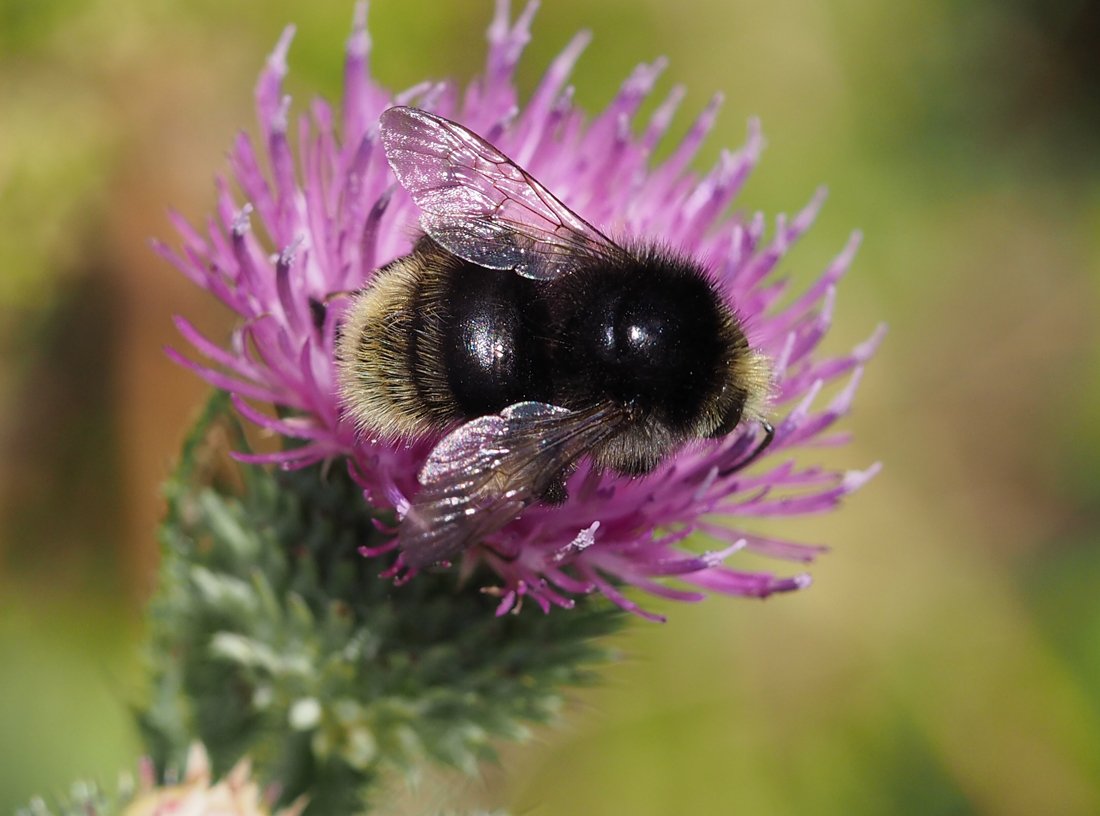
525, 339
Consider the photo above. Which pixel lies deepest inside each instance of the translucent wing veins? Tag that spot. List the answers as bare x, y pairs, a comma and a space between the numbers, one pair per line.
482, 475
478, 204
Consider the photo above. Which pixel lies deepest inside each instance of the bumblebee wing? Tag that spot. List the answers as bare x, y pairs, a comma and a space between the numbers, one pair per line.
482, 475
478, 204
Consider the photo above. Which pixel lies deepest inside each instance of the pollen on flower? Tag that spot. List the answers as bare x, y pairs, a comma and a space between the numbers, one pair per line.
327, 214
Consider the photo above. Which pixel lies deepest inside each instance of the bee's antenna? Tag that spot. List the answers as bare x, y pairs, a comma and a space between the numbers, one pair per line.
769, 435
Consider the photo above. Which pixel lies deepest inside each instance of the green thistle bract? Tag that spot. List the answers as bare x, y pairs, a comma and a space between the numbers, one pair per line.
273, 638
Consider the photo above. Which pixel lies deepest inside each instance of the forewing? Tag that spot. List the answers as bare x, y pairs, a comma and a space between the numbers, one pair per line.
482, 475
478, 204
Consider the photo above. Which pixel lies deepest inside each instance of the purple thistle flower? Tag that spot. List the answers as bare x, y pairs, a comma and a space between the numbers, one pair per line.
330, 213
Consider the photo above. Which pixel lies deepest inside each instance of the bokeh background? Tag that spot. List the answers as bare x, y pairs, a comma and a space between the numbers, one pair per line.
947, 660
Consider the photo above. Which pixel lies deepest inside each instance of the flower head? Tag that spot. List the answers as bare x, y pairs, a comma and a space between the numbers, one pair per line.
197, 793
327, 214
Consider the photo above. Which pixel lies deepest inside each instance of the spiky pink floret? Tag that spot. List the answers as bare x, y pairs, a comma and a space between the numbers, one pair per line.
329, 213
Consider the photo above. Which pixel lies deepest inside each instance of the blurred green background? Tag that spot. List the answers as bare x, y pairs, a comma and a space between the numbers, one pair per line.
947, 659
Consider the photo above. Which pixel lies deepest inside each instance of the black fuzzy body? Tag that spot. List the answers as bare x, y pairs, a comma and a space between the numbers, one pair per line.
447, 341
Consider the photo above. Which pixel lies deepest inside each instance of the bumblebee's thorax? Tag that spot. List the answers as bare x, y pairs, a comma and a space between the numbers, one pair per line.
653, 339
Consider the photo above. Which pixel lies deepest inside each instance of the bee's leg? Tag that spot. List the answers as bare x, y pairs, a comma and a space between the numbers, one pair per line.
769, 435
556, 493
318, 309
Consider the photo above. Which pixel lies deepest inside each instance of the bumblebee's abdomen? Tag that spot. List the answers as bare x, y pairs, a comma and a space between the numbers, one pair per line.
377, 355
435, 340
493, 354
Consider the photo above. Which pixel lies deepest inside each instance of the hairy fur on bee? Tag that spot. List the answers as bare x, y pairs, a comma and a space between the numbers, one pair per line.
435, 341
387, 348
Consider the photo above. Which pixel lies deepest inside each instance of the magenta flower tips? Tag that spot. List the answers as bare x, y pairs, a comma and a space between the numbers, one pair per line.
327, 213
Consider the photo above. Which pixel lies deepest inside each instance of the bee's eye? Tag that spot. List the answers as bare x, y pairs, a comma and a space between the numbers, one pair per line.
730, 418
